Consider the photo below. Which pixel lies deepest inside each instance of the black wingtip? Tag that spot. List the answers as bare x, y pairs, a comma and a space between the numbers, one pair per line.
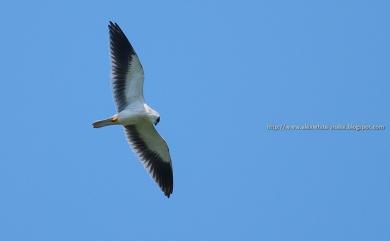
113, 26
110, 25
168, 191
163, 175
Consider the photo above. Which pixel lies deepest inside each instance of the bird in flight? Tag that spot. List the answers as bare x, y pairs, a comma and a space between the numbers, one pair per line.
137, 117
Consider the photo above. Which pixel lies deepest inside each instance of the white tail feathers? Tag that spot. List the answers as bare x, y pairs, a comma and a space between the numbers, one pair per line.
106, 122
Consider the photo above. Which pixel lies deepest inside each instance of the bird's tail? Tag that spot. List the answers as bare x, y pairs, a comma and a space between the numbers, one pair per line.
105, 122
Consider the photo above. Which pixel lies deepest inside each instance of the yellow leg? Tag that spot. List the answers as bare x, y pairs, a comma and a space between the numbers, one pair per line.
114, 119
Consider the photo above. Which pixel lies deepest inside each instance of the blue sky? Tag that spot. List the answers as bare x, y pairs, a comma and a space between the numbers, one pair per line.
218, 72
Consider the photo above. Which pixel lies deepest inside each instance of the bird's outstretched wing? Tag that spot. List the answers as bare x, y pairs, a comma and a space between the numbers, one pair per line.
127, 73
154, 153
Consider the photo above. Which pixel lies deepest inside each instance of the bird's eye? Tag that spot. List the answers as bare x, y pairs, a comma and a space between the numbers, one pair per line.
157, 121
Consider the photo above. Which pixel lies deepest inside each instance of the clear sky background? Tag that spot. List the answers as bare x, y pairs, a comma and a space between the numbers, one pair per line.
218, 72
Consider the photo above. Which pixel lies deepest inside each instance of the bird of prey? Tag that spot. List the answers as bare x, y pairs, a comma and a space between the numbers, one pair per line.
137, 117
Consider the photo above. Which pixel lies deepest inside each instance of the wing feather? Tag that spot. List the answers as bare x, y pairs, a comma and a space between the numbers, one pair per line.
126, 73
154, 153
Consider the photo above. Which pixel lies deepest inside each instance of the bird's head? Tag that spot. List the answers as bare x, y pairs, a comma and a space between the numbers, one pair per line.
157, 120
154, 116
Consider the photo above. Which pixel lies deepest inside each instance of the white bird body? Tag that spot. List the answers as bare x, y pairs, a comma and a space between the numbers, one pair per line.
137, 117
137, 112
